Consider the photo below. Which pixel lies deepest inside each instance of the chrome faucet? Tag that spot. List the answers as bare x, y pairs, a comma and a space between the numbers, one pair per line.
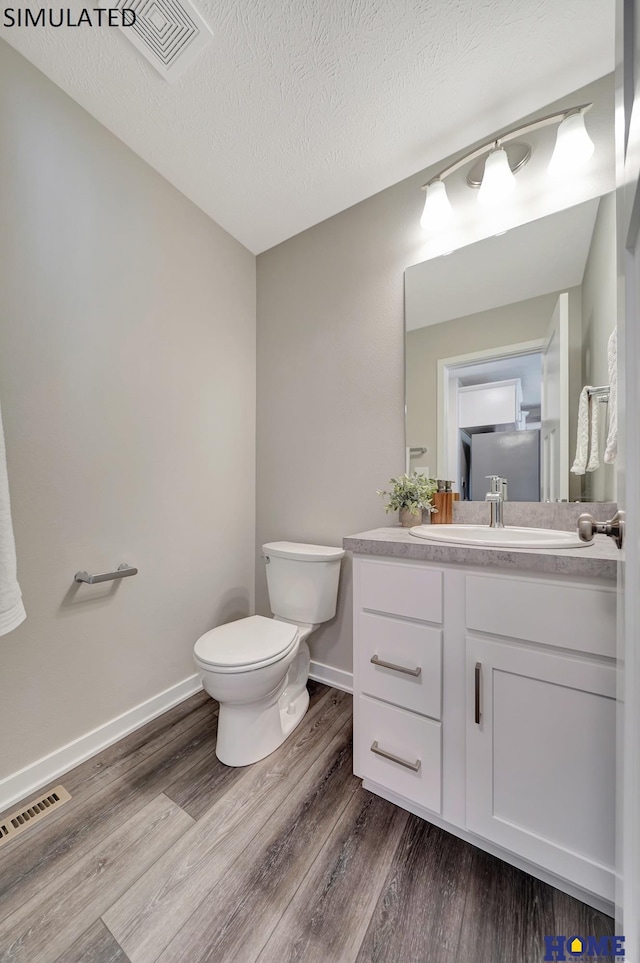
495, 496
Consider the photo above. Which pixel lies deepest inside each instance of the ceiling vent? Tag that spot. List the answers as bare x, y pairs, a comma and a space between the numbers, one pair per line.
168, 33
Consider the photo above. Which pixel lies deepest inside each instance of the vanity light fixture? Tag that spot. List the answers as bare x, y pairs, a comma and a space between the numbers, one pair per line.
437, 206
499, 160
573, 147
499, 180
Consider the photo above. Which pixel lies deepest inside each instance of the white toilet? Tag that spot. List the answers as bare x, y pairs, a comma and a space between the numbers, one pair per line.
257, 668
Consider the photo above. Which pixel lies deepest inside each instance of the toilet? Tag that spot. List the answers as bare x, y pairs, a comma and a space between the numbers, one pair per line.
257, 668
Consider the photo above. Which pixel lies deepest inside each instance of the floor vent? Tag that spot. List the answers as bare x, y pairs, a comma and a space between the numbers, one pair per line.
168, 33
21, 819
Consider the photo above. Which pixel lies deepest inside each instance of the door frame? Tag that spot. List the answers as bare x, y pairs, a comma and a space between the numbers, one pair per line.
554, 452
628, 472
444, 403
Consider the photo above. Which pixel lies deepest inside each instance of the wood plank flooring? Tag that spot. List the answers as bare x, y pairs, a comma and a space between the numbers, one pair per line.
164, 855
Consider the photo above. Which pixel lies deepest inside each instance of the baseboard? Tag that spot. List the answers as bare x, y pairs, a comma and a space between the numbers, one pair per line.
337, 678
29, 780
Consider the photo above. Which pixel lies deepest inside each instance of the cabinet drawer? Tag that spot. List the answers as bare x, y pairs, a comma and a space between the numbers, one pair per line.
409, 590
408, 646
411, 738
569, 616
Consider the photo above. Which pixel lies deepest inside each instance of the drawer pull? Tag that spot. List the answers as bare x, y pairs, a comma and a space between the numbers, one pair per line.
477, 693
398, 668
414, 766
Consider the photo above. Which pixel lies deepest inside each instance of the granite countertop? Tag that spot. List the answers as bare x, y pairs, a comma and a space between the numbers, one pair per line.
599, 560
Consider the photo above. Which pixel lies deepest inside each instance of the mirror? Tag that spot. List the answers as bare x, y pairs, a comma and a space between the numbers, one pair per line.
501, 336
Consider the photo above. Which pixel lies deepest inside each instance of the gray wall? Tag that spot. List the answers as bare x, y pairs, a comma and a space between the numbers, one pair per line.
127, 384
331, 372
331, 385
598, 321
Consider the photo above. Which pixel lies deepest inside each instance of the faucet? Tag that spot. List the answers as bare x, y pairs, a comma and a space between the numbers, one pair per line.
495, 496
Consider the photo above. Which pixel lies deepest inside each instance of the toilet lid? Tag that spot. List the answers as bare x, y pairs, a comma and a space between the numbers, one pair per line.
300, 552
252, 641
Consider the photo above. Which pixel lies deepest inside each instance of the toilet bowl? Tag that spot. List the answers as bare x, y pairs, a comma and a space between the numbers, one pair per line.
257, 668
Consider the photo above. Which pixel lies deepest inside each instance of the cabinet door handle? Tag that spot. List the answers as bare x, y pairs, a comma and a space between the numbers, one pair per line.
477, 700
397, 668
414, 766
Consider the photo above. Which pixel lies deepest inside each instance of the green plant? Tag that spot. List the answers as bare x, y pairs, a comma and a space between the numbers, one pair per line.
412, 492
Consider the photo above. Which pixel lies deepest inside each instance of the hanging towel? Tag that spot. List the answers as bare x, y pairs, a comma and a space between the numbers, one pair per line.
594, 440
582, 443
611, 449
12, 611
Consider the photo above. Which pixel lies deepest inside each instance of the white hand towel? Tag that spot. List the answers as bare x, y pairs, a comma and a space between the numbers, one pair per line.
594, 440
582, 442
12, 611
611, 449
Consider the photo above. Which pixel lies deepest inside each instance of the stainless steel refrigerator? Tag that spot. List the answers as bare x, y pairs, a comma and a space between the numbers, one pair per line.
515, 455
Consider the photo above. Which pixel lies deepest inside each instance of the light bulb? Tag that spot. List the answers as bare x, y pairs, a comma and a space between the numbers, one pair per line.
498, 180
573, 147
437, 207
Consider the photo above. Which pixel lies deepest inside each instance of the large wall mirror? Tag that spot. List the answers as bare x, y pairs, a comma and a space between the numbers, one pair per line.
501, 338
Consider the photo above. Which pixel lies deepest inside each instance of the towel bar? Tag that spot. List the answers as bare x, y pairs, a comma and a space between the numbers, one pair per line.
602, 393
123, 571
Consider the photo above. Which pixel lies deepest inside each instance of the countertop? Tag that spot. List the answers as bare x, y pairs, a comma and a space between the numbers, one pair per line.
599, 560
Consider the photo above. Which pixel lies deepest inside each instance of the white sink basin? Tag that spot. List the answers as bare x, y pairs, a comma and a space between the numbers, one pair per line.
508, 537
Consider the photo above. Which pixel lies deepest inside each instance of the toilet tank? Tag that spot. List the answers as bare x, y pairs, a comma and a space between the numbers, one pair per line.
302, 580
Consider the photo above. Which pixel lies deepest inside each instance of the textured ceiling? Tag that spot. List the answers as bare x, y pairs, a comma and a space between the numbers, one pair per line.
300, 108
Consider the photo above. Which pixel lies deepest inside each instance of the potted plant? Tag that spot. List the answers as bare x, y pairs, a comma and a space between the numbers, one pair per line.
411, 495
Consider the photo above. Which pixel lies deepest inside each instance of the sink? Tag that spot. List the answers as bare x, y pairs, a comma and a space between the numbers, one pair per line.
508, 537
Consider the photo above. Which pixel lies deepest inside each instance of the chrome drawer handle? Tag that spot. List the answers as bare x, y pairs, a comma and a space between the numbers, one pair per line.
414, 766
398, 668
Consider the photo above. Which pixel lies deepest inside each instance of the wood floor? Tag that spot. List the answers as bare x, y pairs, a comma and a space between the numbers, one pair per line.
164, 854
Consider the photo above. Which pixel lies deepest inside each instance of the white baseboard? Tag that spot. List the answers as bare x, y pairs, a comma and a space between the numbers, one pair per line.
337, 678
19, 785
29, 780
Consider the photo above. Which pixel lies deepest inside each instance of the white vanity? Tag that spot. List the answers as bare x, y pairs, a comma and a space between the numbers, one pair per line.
484, 698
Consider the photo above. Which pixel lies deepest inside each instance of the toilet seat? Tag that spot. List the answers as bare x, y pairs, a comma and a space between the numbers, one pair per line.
246, 644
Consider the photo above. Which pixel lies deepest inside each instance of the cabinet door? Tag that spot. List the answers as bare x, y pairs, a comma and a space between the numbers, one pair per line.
541, 758
489, 404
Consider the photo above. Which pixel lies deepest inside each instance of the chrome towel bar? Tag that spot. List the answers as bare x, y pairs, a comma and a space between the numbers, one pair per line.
601, 392
123, 571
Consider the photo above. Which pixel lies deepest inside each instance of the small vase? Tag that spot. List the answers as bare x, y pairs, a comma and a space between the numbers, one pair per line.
407, 520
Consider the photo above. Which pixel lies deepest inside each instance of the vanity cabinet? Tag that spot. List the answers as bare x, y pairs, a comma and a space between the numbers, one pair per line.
485, 703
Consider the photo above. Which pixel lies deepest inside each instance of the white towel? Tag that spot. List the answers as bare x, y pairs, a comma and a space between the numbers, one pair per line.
582, 442
12, 611
588, 440
611, 449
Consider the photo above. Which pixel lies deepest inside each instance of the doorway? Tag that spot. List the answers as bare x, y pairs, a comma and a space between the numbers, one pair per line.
489, 419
